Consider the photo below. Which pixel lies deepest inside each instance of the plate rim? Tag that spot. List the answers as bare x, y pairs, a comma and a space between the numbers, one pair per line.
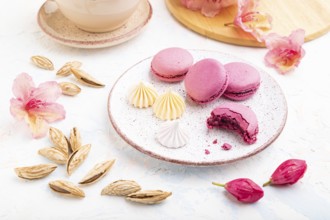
191, 163
94, 44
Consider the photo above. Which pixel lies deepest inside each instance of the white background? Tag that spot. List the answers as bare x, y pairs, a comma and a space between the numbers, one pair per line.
305, 136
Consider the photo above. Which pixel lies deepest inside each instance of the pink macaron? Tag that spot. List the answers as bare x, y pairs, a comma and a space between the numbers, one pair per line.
237, 118
206, 80
171, 64
244, 81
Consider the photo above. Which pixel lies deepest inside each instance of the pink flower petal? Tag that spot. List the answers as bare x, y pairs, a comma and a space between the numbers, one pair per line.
209, 8
282, 60
47, 92
297, 38
252, 21
227, 3
245, 6
17, 109
288, 172
245, 190
23, 86
49, 112
38, 126
36, 105
285, 53
193, 4
274, 40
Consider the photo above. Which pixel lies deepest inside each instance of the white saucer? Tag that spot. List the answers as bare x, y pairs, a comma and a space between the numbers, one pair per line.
62, 30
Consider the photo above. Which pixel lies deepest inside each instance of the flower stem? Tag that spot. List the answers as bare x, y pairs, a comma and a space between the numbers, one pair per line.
267, 183
218, 184
229, 24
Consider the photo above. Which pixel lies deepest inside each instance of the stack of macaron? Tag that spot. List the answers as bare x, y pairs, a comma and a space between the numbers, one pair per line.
207, 79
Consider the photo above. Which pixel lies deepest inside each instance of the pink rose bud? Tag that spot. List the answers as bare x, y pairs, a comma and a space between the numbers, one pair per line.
243, 189
289, 172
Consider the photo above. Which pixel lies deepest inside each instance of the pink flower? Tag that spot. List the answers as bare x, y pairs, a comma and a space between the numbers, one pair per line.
193, 4
36, 105
243, 189
289, 172
250, 20
285, 53
209, 8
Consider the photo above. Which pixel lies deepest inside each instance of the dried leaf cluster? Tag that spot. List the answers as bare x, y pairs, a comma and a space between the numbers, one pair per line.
132, 191
71, 152
69, 68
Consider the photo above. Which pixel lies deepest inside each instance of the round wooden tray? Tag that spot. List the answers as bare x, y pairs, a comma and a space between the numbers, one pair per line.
311, 15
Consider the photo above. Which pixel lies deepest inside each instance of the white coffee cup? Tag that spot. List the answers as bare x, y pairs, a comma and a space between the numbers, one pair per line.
98, 15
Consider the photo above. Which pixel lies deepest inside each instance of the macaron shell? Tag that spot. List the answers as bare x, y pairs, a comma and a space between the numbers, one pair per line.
244, 80
206, 80
171, 64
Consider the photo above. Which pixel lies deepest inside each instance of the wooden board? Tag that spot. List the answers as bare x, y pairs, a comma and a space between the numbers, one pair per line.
311, 15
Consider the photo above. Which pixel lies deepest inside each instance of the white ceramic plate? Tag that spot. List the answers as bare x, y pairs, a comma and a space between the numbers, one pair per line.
63, 31
139, 126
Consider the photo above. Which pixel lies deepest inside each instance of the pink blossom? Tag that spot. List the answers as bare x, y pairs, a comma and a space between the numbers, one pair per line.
285, 53
36, 105
193, 4
250, 20
243, 189
289, 172
209, 8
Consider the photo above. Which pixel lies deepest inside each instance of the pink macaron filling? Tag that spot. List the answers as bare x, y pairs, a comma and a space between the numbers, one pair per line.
242, 95
176, 77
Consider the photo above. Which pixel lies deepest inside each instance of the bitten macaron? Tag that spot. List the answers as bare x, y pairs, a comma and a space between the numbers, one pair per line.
171, 64
237, 118
244, 81
206, 80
